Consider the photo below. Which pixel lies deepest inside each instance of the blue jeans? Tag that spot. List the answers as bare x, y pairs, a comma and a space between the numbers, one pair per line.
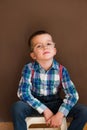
20, 110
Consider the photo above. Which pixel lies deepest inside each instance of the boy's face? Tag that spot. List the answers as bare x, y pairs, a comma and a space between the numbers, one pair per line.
43, 47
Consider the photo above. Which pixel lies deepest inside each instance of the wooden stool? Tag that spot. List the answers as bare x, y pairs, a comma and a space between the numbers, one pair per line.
31, 121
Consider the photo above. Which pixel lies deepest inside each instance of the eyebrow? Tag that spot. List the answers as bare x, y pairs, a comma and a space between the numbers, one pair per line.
42, 43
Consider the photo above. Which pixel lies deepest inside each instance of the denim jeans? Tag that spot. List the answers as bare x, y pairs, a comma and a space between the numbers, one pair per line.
20, 110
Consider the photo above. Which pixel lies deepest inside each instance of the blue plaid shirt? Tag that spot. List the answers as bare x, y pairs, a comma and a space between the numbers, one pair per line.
43, 83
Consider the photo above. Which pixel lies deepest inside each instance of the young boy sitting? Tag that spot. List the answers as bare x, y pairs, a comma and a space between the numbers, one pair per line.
39, 88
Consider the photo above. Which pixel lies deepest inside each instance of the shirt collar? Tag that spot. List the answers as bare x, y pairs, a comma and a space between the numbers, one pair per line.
55, 65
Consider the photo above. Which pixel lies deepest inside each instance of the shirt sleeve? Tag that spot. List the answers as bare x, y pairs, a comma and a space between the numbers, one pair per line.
24, 91
71, 94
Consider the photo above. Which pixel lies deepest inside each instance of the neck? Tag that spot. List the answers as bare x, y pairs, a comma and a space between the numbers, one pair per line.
46, 65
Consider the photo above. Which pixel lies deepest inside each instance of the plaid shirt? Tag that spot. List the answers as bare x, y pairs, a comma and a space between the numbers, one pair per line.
43, 83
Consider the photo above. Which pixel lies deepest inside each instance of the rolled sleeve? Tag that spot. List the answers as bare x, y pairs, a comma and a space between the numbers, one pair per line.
24, 92
71, 94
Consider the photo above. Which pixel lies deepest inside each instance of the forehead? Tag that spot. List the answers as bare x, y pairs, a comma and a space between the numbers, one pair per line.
42, 38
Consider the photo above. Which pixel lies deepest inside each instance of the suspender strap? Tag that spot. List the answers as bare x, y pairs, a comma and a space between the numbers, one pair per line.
32, 75
60, 72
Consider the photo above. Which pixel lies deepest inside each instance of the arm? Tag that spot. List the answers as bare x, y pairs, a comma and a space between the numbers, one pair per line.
71, 98
24, 92
71, 94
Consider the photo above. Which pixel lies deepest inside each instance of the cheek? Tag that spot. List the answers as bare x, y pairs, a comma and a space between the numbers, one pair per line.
38, 54
55, 51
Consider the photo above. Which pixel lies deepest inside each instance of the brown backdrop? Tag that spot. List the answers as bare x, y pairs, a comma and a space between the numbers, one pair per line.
65, 20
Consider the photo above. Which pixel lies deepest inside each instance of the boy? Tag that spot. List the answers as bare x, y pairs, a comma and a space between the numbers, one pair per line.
39, 88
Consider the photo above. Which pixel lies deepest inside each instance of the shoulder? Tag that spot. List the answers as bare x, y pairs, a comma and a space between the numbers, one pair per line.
28, 67
65, 73
61, 67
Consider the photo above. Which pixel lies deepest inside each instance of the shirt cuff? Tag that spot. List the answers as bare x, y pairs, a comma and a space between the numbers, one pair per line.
63, 110
41, 108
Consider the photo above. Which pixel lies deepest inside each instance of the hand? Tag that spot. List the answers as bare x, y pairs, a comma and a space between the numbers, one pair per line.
47, 114
56, 120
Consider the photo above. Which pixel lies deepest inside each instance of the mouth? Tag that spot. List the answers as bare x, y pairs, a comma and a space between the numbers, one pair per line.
46, 52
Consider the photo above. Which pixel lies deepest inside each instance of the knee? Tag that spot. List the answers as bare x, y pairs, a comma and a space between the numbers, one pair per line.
83, 112
16, 108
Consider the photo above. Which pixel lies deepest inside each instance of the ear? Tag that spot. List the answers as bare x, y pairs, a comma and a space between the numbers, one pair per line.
33, 55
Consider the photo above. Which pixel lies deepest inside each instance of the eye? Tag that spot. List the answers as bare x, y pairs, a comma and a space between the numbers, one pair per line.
49, 44
38, 46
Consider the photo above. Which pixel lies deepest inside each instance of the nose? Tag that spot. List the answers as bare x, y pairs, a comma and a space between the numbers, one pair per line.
45, 46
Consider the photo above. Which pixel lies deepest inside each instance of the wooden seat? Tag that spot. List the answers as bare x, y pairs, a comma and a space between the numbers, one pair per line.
38, 123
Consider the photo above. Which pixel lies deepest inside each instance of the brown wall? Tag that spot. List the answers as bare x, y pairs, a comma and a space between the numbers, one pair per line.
66, 20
